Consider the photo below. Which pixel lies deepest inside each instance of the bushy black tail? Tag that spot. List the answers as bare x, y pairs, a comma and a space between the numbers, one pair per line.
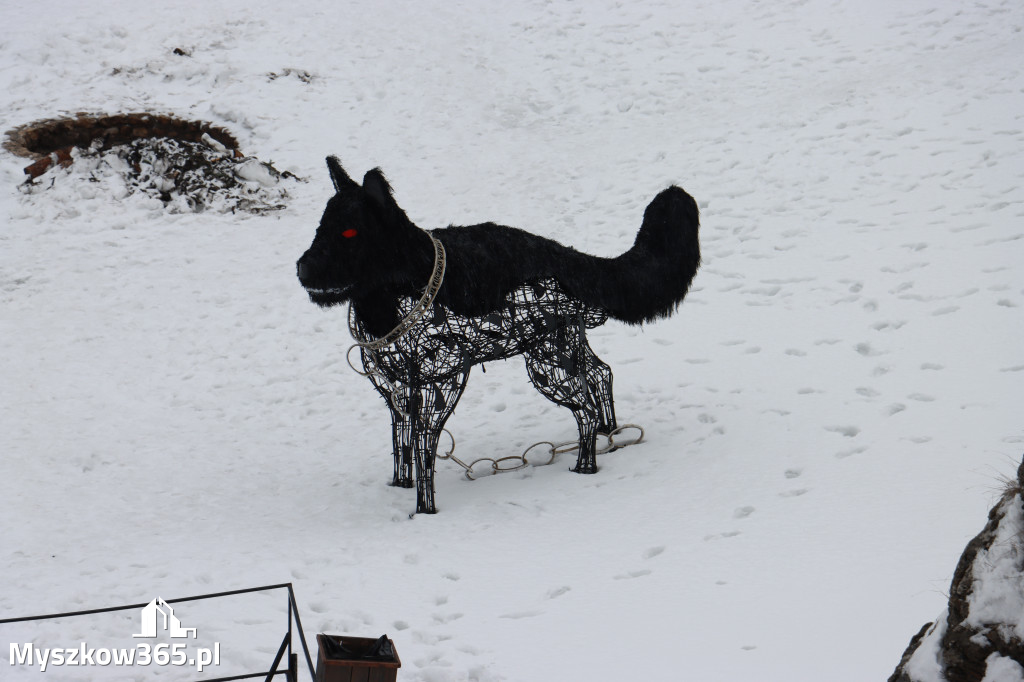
650, 280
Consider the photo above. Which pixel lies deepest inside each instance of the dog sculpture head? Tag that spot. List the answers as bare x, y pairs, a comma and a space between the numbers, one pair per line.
359, 243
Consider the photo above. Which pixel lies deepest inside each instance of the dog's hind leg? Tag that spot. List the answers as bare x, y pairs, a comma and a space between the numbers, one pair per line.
599, 382
432, 405
559, 369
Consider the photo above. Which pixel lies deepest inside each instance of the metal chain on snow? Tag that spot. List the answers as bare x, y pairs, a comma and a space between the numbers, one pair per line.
401, 329
500, 465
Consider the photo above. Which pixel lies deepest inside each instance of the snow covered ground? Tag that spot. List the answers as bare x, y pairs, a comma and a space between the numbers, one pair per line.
827, 415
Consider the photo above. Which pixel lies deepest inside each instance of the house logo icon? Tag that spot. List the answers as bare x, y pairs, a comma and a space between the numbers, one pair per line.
169, 623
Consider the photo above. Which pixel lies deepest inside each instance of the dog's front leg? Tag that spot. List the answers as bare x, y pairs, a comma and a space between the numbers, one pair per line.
402, 440
431, 407
424, 447
396, 396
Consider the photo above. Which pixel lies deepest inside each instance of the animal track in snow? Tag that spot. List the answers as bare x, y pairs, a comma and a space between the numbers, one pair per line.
843, 454
946, 310
867, 350
632, 574
794, 493
743, 512
793, 473
442, 619
846, 431
653, 552
908, 267
726, 534
775, 410
516, 615
557, 592
921, 397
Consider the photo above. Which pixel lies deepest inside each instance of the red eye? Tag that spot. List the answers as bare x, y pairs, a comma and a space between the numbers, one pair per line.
349, 233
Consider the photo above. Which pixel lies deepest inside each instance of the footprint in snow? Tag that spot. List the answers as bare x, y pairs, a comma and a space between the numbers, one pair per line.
793, 473
743, 512
653, 552
442, 618
846, 431
558, 592
516, 615
843, 454
632, 574
718, 536
794, 493
918, 439
946, 310
866, 350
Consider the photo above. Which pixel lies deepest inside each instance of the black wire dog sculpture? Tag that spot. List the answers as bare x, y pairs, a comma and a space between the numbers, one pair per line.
425, 306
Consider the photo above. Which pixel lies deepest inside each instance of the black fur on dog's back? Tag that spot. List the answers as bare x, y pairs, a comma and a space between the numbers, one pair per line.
645, 283
390, 258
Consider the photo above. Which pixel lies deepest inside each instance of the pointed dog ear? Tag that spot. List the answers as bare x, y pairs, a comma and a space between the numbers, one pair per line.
376, 185
338, 175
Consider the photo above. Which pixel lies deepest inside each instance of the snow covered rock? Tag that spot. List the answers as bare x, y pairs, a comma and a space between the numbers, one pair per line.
980, 635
